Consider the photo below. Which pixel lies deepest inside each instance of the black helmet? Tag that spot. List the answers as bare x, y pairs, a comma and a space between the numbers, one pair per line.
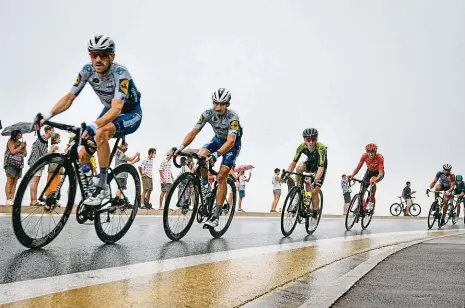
310, 132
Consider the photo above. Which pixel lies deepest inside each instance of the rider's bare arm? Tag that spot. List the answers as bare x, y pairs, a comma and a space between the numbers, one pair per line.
190, 137
380, 175
112, 113
228, 145
433, 183
319, 174
357, 169
292, 166
63, 104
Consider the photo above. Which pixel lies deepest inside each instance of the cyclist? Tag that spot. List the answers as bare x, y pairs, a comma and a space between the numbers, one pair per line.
375, 171
317, 162
446, 183
226, 143
121, 115
460, 191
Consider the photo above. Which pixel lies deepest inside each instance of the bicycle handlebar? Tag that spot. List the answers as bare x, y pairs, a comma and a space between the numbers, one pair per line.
357, 180
285, 172
201, 159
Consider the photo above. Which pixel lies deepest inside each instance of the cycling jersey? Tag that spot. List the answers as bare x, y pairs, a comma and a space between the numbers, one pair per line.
459, 188
316, 158
444, 179
373, 165
117, 83
225, 125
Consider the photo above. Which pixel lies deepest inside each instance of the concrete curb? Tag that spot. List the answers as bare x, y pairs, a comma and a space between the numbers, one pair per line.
7, 209
329, 296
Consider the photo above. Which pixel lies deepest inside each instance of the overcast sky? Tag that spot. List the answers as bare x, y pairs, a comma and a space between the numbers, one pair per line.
390, 72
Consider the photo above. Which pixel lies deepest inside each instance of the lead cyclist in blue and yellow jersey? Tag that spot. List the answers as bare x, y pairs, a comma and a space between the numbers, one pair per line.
121, 114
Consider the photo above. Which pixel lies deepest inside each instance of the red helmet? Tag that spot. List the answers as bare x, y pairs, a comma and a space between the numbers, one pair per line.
371, 147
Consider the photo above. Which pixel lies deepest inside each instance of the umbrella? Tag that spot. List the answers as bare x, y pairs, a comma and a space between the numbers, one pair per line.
23, 127
243, 168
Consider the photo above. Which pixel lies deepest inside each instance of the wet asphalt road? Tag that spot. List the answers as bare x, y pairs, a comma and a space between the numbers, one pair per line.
78, 248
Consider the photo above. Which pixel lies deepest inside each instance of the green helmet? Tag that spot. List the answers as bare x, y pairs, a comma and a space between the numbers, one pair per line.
458, 178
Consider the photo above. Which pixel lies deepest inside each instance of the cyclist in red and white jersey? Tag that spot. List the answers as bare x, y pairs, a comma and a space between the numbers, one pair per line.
375, 170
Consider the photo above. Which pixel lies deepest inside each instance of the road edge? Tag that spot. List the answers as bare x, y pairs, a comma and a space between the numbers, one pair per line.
328, 297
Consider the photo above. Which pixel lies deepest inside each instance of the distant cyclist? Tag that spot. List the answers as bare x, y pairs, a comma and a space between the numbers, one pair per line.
460, 191
317, 162
121, 115
226, 143
375, 170
446, 183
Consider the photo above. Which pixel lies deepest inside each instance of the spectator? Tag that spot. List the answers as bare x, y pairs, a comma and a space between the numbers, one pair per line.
346, 192
407, 194
276, 181
13, 164
122, 158
166, 177
242, 180
145, 170
52, 188
39, 149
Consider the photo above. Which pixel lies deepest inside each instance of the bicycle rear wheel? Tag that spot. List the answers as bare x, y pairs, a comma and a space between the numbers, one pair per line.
113, 220
33, 224
181, 206
352, 212
312, 223
432, 217
290, 211
415, 209
366, 219
228, 211
395, 209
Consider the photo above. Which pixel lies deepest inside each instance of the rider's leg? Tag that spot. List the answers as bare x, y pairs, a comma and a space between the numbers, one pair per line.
204, 169
459, 203
316, 198
102, 138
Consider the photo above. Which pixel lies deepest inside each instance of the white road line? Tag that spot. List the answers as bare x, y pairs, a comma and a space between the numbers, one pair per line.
22, 290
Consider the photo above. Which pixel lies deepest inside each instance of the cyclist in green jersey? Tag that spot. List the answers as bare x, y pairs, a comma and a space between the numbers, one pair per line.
317, 162
459, 190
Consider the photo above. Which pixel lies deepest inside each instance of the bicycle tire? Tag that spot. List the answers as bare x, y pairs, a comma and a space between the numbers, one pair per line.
101, 233
190, 179
19, 231
414, 206
432, 215
232, 209
295, 190
309, 230
353, 208
366, 219
393, 209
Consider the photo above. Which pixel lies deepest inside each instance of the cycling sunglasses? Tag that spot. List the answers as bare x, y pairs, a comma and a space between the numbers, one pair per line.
221, 104
310, 139
102, 55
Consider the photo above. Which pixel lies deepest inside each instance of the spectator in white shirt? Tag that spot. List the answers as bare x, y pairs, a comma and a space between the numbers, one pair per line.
346, 192
242, 179
166, 177
276, 181
145, 170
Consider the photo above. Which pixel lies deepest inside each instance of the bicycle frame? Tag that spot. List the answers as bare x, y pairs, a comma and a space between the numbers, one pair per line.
72, 157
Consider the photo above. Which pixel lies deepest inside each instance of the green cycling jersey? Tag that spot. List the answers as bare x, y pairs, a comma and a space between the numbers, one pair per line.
316, 158
459, 188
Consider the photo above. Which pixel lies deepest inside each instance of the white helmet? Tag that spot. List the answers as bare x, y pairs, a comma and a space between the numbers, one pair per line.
101, 43
221, 96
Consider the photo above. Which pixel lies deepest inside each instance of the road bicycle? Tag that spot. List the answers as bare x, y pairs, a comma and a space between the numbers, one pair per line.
357, 207
397, 208
111, 220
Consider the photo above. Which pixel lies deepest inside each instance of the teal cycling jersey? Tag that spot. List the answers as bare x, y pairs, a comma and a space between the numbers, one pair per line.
459, 188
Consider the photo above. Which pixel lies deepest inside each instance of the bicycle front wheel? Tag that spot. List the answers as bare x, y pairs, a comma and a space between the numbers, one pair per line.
290, 211
228, 210
113, 220
432, 216
181, 205
312, 223
352, 212
415, 209
366, 219
395, 209
39, 224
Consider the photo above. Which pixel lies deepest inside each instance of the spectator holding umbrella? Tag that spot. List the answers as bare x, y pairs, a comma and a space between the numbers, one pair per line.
13, 163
